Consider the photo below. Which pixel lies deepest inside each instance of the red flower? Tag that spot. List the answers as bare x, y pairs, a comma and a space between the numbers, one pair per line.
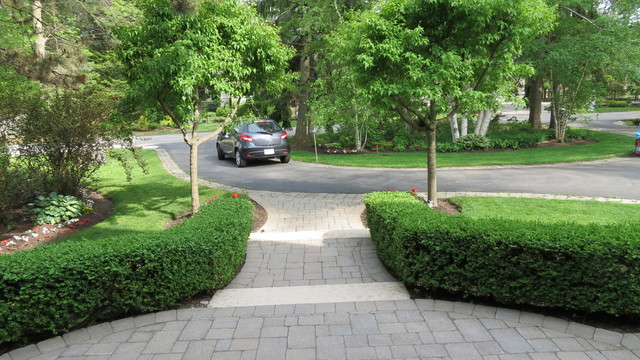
59, 231
414, 194
208, 201
414, 190
389, 190
417, 145
234, 195
215, 197
377, 146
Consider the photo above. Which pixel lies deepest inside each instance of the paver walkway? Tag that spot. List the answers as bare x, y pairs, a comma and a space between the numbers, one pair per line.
312, 288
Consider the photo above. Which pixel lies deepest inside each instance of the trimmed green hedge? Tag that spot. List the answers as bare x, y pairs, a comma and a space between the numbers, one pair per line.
55, 288
590, 268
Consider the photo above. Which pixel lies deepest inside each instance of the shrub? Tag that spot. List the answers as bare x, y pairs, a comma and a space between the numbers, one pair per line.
55, 208
614, 103
14, 184
55, 288
63, 139
447, 147
473, 142
589, 268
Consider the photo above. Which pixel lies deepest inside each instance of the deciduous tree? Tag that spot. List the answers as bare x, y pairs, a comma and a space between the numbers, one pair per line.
593, 43
431, 59
183, 50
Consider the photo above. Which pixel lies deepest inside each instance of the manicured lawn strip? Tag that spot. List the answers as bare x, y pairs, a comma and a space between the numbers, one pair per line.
616, 109
587, 268
548, 211
608, 146
147, 203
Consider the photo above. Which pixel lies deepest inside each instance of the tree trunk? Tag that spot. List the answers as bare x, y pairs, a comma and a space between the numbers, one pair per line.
535, 102
486, 121
303, 129
455, 132
482, 125
432, 186
464, 126
40, 40
193, 177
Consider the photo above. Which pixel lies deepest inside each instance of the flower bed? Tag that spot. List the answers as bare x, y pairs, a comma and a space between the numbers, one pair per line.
588, 268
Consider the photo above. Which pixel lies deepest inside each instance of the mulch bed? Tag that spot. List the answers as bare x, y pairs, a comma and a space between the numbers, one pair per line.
102, 209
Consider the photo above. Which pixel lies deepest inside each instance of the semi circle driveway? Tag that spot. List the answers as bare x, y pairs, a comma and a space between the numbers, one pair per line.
618, 177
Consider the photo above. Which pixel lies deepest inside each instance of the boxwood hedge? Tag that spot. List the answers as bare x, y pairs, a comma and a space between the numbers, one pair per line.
55, 288
588, 268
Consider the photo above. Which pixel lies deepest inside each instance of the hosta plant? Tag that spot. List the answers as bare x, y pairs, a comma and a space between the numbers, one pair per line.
55, 208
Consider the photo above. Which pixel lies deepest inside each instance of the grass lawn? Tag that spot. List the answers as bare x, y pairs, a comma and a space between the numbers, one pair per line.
146, 203
616, 109
608, 146
548, 211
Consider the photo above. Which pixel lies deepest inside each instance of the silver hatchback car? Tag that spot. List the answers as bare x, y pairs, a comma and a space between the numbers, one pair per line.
249, 139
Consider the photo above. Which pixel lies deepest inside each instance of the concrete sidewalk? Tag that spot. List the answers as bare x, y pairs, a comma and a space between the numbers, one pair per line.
313, 288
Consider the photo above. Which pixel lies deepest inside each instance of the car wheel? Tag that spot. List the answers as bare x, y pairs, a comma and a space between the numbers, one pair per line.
285, 159
239, 160
221, 155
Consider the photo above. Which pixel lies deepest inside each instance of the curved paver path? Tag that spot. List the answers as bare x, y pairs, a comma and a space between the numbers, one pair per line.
312, 288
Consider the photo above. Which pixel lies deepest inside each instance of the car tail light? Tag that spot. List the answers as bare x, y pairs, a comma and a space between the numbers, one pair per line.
284, 135
246, 138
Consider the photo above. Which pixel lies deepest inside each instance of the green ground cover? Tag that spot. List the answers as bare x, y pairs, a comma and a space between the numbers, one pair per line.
146, 203
616, 109
548, 211
607, 146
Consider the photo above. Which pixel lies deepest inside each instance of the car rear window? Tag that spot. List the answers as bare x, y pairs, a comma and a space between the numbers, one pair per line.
263, 126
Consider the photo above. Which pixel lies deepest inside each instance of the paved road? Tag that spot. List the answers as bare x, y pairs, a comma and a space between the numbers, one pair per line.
616, 177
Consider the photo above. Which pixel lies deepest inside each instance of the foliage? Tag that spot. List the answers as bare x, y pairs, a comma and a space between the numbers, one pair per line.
15, 186
593, 44
473, 142
54, 288
588, 268
55, 208
178, 56
421, 58
63, 138
306, 26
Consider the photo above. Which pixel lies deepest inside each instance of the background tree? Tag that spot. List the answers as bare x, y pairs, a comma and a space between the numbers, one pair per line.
184, 51
431, 59
305, 25
56, 42
594, 43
